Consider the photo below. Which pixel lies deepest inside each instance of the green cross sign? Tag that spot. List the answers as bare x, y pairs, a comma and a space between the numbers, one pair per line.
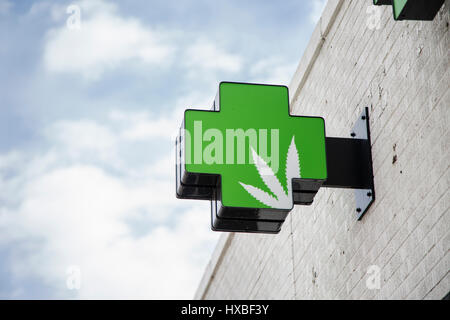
253, 146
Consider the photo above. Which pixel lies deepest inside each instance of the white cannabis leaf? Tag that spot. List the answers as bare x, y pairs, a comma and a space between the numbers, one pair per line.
281, 199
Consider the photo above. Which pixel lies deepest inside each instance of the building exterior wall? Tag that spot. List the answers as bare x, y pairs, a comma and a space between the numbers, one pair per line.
401, 72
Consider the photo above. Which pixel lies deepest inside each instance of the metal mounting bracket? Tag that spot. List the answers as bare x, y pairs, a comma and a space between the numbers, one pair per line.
349, 164
364, 197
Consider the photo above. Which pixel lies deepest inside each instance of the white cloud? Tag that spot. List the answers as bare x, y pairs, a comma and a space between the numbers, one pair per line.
79, 215
104, 41
146, 126
316, 10
6, 160
102, 143
273, 71
128, 234
84, 137
141, 126
196, 99
204, 55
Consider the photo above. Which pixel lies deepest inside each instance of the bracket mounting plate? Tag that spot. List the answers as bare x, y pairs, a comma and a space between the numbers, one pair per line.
364, 197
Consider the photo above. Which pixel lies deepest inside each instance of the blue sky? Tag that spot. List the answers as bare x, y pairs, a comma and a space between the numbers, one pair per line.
88, 118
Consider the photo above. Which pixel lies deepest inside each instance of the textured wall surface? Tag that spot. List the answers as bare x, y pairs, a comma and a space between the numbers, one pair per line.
401, 72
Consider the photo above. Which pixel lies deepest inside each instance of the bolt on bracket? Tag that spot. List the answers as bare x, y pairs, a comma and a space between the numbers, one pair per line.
349, 164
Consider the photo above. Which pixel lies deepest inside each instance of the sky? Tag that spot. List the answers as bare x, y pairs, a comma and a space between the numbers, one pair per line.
91, 95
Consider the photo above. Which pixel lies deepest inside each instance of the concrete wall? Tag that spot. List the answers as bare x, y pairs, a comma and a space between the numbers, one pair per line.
401, 71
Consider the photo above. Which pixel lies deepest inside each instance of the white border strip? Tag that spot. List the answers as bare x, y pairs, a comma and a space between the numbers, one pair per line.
314, 46
213, 265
